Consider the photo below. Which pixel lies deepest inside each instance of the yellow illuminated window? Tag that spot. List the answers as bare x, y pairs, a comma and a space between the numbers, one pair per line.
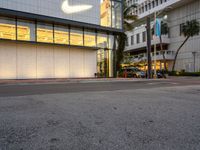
23, 33
76, 37
89, 38
102, 41
7, 31
106, 13
44, 35
61, 37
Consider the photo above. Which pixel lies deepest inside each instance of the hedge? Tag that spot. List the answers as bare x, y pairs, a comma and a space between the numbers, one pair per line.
193, 74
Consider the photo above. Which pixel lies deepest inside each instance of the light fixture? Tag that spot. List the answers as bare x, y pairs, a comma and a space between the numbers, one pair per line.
165, 17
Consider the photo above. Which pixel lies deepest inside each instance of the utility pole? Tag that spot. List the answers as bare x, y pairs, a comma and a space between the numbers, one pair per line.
155, 56
148, 27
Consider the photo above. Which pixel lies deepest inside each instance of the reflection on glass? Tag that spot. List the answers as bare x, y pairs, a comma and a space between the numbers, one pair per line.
102, 40
116, 14
105, 13
111, 41
89, 38
104, 63
25, 30
110, 63
76, 36
44, 33
7, 28
61, 35
100, 63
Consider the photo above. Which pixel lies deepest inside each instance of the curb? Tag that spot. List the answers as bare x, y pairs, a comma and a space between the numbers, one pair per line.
70, 81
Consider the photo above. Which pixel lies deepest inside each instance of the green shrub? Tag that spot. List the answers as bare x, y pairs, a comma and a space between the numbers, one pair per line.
183, 73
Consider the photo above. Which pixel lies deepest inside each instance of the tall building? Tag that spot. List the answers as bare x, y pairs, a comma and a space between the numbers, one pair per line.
58, 38
173, 13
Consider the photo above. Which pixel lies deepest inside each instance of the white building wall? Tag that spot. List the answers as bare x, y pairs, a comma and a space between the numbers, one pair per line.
142, 44
53, 8
62, 62
8, 59
25, 61
158, 8
176, 17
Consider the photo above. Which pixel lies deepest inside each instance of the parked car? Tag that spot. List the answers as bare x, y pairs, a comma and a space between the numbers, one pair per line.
133, 72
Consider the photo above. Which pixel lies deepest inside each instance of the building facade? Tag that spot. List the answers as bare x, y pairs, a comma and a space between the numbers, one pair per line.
58, 38
173, 13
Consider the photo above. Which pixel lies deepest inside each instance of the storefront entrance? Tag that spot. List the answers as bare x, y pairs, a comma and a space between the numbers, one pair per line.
104, 63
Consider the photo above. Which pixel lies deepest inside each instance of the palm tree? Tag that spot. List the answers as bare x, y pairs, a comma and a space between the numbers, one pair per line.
190, 29
122, 38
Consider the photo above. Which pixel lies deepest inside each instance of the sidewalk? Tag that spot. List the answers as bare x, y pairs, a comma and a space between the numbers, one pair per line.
76, 80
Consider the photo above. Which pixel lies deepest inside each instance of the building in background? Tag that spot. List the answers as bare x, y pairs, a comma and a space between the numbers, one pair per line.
58, 38
174, 13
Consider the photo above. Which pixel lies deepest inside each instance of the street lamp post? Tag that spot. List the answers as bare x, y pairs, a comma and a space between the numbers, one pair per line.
194, 55
148, 27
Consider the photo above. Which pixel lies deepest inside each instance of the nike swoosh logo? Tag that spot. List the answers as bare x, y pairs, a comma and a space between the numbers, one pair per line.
75, 8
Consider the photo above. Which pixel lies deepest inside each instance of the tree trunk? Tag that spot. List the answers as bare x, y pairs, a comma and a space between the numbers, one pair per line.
161, 48
121, 39
178, 52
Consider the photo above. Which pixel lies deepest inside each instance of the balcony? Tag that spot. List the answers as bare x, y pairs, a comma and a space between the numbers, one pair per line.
169, 55
169, 3
142, 45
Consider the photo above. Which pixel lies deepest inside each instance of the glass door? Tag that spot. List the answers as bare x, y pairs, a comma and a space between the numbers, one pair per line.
103, 63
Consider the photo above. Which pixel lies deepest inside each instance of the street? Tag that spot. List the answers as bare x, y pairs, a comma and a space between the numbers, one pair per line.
125, 115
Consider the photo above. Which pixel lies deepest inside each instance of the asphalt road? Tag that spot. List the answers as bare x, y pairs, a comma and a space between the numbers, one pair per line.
35, 89
149, 115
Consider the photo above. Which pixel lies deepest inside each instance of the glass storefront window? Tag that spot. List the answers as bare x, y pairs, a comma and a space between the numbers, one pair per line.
61, 35
111, 13
25, 30
105, 13
44, 33
89, 38
111, 41
100, 63
105, 63
7, 28
49, 33
76, 36
110, 63
102, 40
116, 15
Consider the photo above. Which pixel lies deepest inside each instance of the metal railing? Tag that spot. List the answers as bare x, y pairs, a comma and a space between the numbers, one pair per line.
169, 55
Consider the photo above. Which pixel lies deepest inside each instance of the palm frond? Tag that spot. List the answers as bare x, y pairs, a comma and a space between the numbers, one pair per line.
128, 26
122, 37
191, 28
130, 17
128, 9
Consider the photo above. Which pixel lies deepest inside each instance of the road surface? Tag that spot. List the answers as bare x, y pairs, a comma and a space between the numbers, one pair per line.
143, 115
